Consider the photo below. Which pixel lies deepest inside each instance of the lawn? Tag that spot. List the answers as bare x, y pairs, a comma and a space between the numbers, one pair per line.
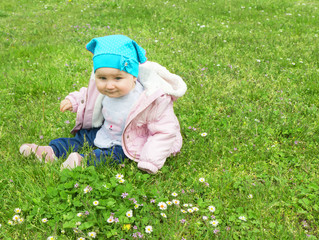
248, 168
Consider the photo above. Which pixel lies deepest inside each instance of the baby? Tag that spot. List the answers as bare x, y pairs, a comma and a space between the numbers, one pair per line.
125, 112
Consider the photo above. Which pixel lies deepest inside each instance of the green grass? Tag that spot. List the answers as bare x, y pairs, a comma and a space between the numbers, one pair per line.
251, 68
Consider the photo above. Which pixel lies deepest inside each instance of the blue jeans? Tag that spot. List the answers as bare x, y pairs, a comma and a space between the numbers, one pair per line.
61, 146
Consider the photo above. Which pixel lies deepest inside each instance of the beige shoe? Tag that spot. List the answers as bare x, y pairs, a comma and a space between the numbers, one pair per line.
41, 152
72, 161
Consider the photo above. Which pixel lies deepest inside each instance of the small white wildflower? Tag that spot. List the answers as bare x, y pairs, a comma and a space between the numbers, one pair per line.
214, 223
50, 238
110, 219
169, 203
250, 196
79, 214
44, 220
185, 205
203, 134
174, 194
176, 202
205, 218
119, 176
195, 209
16, 218
136, 206
20, 220
81, 238
202, 179
212, 208
121, 180
162, 205
78, 223
148, 229
243, 218
95, 203
190, 210
129, 213
164, 215
92, 234
17, 210
258, 60
10, 222
183, 211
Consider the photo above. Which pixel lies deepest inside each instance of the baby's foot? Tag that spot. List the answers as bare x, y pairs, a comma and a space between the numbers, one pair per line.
40, 152
73, 161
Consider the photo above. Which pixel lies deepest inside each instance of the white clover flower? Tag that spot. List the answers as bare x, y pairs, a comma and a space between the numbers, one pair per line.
174, 194
119, 176
16, 218
148, 229
243, 218
203, 134
92, 234
164, 215
44, 220
121, 180
195, 209
250, 196
78, 223
111, 219
214, 223
169, 203
129, 213
50, 238
202, 179
79, 214
176, 202
17, 210
162, 205
190, 210
95, 203
212, 208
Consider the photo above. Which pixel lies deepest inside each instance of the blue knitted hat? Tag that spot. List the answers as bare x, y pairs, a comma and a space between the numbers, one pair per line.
117, 51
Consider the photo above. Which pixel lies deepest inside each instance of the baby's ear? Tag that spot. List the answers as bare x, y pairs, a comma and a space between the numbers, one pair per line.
134, 79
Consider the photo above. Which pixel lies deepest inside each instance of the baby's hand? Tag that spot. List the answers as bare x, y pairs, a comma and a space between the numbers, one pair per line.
66, 105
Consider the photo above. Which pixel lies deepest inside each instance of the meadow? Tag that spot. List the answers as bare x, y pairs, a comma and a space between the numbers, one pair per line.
248, 168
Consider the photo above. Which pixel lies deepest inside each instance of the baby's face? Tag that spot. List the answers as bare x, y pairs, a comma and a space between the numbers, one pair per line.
114, 83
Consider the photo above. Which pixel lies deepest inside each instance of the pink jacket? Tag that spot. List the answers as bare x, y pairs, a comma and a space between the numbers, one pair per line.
152, 131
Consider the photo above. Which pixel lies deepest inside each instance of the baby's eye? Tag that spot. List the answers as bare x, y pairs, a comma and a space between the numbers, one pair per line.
118, 78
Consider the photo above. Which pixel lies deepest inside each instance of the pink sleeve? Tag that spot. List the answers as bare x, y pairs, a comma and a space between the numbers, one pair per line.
163, 129
77, 97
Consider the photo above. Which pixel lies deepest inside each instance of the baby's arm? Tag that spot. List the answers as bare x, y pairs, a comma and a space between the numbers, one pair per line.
163, 129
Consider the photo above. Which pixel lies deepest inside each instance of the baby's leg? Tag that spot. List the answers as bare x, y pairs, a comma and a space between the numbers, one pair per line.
99, 156
61, 146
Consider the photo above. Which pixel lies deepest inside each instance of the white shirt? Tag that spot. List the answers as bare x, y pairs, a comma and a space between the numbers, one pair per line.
115, 112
